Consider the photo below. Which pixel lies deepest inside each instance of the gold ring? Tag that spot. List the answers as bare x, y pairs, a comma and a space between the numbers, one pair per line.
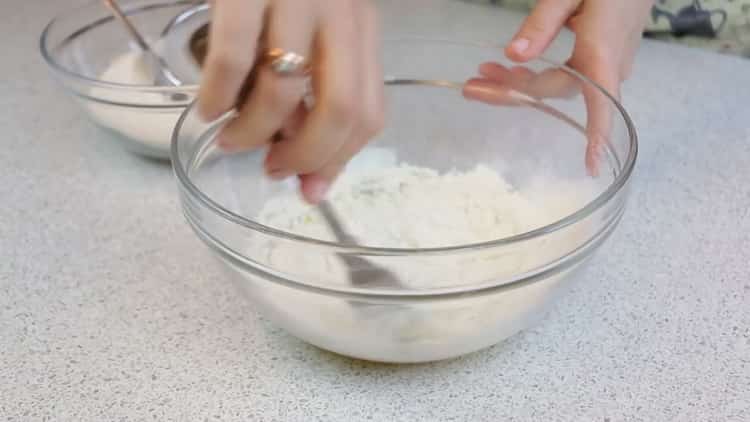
287, 63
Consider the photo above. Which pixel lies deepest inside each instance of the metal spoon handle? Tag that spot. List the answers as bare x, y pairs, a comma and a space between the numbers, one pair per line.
117, 12
342, 235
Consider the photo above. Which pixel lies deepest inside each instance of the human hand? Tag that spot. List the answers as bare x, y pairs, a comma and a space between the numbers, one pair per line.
341, 40
607, 36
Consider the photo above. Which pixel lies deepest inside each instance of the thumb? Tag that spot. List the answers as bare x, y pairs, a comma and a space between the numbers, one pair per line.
540, 28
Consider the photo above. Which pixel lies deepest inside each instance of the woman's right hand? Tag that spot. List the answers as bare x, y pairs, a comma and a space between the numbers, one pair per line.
341, 40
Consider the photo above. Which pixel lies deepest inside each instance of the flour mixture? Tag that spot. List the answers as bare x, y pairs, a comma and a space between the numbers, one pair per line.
398, 205
151, 127
406, 206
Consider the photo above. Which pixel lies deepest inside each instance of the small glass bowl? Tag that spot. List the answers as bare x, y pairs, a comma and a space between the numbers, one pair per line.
81, 43
533, 130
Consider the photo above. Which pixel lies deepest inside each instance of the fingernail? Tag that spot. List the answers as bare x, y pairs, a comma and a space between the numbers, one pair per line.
520, 45
317, 191
224, 143
278, 174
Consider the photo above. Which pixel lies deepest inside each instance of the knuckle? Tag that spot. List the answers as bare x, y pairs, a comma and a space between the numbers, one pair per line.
341, 111
277, 95
590, 56
597, 52
226, 62
273, 96
305, 163
534, 26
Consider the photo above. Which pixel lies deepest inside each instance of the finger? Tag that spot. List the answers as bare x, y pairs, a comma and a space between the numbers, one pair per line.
371, 72
550, 83
497, 72
598, 127
553, 83
599, 109
294, 122
628, 57
233, 35
517, 75
491, 92
540, 28
332, 118
289, 131
635, 31
274, 97
314, 186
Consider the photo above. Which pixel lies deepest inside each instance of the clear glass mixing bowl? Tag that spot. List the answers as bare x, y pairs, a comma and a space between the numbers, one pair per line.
532, 129
81, 43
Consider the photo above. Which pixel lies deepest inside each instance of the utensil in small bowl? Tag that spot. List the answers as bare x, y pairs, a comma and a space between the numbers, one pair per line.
164, 75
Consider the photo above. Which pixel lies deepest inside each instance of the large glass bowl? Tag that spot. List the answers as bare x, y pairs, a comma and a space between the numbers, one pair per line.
81, 43
478, 294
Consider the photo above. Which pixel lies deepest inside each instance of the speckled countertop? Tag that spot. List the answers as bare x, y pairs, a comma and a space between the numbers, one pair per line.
111, 309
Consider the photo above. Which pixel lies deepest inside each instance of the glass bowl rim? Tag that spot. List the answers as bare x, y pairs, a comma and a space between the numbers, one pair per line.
592, 206
47, 55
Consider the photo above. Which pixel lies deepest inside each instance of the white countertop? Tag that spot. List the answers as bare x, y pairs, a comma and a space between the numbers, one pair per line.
111, 309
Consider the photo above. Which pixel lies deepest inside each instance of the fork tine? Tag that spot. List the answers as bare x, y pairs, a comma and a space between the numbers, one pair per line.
361, 271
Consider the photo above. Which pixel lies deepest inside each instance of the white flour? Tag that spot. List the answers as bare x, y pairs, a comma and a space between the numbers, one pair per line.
385, 204
413, 207
151, 128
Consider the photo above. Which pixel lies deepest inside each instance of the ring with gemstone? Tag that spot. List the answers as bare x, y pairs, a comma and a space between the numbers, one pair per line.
287, 63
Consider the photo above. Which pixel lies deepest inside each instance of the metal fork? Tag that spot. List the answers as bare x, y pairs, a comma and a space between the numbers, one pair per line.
362, 272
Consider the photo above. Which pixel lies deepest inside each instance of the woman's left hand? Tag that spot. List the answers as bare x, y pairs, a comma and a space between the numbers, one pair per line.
607, 36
